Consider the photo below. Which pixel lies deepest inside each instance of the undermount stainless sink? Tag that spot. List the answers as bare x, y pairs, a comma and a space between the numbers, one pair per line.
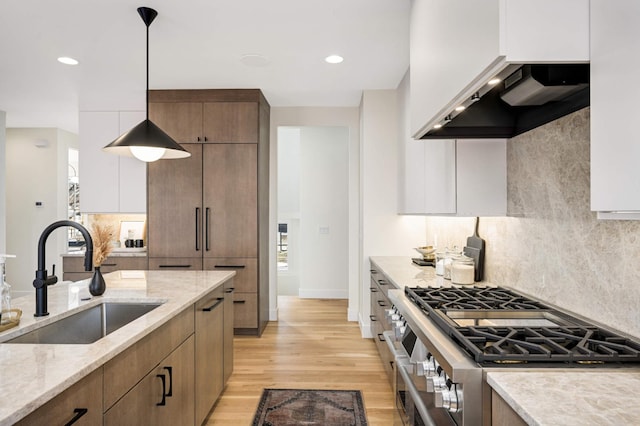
87, 326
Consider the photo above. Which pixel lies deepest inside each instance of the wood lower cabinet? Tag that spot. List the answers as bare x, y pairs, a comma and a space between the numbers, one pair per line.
379, 303
502, 414
73, 266
165, 396
213, 206
228, 331
209, 381
81, 404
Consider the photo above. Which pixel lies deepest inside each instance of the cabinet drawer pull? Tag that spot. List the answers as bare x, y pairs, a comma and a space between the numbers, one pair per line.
164, 388
170, 370
207, 228
174, 266
230, 290
382, 282
109, 264
381, 303
197, 228
240, 302
212, 307
79, 412
373, 289
381, 337
372, 318
229, 266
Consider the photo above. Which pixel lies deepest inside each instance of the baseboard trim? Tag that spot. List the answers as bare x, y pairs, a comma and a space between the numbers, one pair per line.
365, 328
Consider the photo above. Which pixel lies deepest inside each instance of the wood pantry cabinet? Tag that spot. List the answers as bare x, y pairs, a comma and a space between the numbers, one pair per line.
210, 211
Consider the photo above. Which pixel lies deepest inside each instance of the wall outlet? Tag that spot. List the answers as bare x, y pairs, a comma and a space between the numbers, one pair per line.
323, 230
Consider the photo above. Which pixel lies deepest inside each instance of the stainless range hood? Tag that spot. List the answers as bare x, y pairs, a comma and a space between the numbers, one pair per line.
529, 97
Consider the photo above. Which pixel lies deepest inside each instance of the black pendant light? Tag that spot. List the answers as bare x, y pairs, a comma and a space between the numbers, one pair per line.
146, 141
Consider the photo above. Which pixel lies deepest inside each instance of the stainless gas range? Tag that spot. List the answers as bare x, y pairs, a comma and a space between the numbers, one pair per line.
447, 336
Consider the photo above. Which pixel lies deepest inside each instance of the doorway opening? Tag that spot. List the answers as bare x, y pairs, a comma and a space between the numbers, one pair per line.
313, 214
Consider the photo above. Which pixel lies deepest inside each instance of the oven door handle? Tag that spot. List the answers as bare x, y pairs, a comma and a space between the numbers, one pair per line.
415, 395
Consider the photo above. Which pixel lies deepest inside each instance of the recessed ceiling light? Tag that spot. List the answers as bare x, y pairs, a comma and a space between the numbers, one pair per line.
334, 59
460, 108
494, 81
67, 60
254, 60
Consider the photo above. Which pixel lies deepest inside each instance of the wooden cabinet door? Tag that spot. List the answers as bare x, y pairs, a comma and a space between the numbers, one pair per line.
175, 206
180, 120
209, 359
230, 200
228, 332
162, 397
231, 122
81, 403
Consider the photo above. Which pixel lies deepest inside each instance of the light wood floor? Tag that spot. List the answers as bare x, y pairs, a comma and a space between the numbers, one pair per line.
311, 346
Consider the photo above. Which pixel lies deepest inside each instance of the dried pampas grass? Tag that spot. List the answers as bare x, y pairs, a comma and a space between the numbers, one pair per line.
102, 235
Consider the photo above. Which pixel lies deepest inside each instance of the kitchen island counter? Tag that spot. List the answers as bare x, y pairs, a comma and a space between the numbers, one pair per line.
33, 374
584, 397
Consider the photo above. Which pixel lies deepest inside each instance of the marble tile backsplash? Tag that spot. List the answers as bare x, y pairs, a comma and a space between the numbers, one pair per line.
552, 246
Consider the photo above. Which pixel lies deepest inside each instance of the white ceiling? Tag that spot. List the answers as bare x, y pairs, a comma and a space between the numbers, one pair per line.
193, 44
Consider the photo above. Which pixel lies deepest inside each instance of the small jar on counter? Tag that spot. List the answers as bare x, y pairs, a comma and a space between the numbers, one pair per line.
440, 255
462, 270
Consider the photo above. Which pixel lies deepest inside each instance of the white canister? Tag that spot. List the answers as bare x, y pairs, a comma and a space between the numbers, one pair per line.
462, 270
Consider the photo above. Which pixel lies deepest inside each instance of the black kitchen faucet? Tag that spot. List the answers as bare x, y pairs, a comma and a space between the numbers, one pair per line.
42, 279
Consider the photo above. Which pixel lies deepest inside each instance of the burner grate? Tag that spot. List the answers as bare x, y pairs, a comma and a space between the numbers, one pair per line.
546, 344
458, 298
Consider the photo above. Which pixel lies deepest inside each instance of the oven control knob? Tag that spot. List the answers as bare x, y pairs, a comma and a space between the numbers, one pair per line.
389, 313
399, 328
452, 399
426, 367
436, 383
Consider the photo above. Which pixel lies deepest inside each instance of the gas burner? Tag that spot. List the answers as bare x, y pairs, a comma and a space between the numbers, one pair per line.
546, 344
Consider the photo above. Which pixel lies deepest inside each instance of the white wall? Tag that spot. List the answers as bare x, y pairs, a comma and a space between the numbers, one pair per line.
3, 192
320, 116
384, 232
35, 174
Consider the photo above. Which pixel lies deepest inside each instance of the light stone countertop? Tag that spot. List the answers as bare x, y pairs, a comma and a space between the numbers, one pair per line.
577, 397
32, 374
580, 397
402, 272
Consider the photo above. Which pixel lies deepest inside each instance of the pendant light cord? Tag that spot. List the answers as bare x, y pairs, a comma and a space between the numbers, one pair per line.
147, 92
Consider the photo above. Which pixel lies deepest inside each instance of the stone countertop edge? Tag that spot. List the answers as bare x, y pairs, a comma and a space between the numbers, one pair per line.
36, 373
571, 398
545, 398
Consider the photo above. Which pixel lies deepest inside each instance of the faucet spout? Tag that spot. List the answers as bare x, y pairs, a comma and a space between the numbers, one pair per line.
42, 278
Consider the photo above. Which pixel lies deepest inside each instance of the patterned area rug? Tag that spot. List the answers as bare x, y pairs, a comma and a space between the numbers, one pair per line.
289, 407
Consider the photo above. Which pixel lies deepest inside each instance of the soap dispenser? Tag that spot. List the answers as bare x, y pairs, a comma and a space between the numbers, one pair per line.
5, 292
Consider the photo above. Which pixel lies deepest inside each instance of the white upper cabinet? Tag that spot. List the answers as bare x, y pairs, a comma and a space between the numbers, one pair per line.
449, 177
457, 46
615, 150
109, 183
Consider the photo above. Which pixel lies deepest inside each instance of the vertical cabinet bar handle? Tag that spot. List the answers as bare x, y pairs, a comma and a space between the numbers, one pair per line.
170, 370
79, 412
164, 389
197, 228
207, 227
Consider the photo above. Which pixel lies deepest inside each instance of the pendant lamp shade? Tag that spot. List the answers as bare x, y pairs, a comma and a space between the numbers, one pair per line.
146, 141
